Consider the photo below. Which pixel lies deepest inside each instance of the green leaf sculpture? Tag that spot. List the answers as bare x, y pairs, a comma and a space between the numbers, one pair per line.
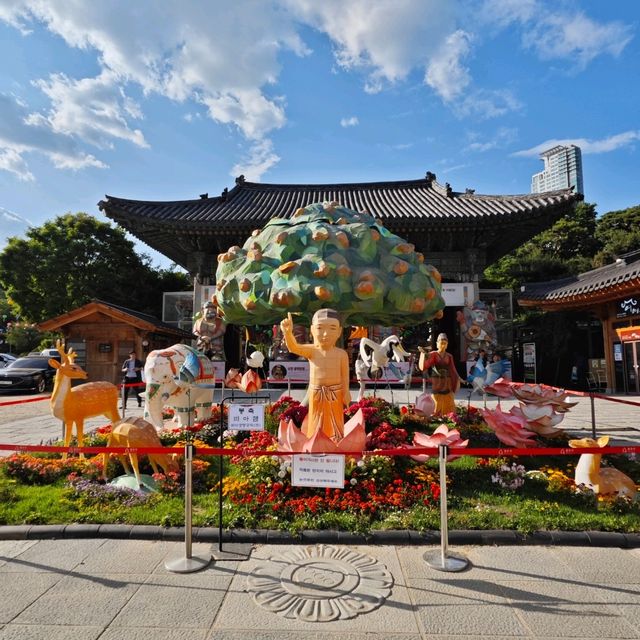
326, 255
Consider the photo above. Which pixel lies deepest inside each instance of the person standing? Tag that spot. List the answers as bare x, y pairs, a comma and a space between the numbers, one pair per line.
132, 373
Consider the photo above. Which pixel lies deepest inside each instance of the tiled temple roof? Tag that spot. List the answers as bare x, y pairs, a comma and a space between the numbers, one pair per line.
599, 285
403, 206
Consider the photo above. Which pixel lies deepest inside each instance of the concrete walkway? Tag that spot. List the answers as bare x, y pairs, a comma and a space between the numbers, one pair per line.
86, 589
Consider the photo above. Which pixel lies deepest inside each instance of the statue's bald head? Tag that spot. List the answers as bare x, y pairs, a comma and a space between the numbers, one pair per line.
325, 314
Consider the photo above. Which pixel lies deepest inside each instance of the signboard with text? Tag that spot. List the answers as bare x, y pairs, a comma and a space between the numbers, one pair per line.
529, 361
318, 471
246, 417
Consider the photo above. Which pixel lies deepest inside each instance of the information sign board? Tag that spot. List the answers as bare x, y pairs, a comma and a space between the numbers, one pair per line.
318, 471
246, 417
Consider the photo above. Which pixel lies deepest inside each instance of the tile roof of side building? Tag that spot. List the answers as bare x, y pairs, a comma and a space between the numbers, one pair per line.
612, 280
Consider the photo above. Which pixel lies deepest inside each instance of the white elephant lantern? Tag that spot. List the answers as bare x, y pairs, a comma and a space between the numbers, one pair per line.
172, 376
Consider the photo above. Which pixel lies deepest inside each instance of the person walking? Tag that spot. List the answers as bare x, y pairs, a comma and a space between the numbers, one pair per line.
132, 373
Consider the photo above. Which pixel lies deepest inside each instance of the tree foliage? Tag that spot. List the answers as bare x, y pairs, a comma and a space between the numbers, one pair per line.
617, 232
73, 259
327, 256
578, 242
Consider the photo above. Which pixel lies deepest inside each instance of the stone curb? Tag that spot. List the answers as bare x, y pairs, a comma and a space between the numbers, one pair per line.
267, 536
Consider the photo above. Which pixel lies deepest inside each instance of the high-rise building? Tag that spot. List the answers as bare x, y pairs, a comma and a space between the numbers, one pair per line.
562, 169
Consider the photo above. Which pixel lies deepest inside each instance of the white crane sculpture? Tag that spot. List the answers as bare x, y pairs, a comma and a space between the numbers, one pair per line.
375, 357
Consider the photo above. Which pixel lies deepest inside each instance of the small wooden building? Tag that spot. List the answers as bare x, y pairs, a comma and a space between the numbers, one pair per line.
612, 295
103, 334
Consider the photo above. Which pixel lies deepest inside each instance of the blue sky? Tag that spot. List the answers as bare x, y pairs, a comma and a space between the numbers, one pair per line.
165, 100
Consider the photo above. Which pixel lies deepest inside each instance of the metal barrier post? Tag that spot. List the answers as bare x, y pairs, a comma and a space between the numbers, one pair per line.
122, 399
443, 561
189, 563
593, 416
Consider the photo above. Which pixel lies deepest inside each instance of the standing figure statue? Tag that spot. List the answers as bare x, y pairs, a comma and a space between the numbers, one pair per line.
210, 329
445, 380
328, 373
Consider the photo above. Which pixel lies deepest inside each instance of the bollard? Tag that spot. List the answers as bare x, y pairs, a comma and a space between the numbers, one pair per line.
593, 416
444, 561
189, 563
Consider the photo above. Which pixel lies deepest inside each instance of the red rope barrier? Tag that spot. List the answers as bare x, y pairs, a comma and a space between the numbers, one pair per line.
216, 451
6, 404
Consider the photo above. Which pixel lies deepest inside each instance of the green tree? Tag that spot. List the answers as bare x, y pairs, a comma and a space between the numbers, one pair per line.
567, 248
75, 258
618, 232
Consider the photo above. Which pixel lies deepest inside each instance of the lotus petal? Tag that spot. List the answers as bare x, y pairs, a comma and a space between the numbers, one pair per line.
425, 405
509, 428
442, 435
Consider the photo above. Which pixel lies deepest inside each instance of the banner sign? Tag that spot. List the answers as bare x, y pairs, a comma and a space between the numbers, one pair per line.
628, 307
292, 370
318, 471
529, 361
246, 417
218, 370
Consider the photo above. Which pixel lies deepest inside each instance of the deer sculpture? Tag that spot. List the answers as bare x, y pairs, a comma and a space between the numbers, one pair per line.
75, 405
138, 433
605, 480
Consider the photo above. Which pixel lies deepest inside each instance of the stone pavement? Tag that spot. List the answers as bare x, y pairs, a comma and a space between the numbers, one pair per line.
115, 589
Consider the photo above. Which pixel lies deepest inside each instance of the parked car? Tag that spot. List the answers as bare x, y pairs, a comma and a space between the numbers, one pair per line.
5, 359
31, 373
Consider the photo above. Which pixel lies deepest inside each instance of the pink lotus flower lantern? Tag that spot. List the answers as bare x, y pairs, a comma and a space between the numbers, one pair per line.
502, 388
442, 435
542, 394
290, 438
509, 428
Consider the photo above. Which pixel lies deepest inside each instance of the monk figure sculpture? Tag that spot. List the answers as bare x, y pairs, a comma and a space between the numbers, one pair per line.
328, 373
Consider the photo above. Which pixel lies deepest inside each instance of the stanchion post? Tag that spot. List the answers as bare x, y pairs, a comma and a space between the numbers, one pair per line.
444, 561
593, 416
122, 398
189, 563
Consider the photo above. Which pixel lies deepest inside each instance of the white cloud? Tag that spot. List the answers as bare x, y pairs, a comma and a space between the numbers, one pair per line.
94, 109
605, 145
349, 122
12, 217
220, 54
386, 38
446, 74
502, 137
485, 104
259, 160
248, 109
555, 34
21, 135
576, 38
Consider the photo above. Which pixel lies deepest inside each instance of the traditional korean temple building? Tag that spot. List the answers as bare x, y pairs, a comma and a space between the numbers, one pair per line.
460, 233
612, 295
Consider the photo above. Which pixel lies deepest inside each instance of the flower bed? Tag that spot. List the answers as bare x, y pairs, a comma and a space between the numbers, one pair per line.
379, 491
